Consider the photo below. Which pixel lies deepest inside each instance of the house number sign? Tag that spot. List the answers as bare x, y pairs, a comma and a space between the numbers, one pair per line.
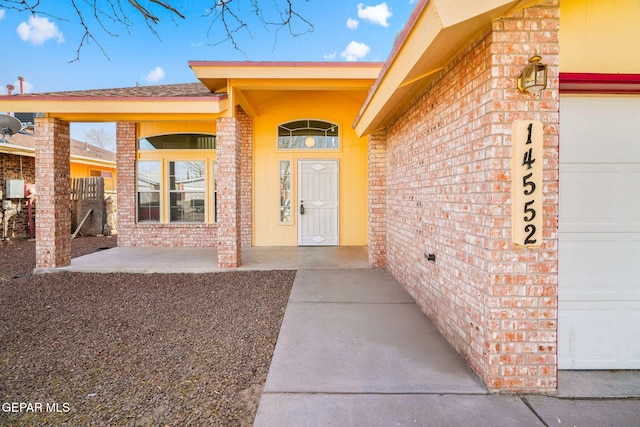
527, 197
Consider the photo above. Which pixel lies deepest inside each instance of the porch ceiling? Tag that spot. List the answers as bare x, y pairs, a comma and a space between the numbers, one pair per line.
436, 31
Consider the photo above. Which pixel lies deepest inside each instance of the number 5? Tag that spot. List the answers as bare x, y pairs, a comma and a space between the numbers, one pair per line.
528, 210
527, 183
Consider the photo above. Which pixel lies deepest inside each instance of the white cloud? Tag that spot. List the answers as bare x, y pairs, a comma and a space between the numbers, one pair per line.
376, 14
352, 24
330, 56
355, 51
38, 30
155, 75
2, 13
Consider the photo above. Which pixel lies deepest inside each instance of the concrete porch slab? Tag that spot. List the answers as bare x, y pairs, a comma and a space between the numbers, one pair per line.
205, 260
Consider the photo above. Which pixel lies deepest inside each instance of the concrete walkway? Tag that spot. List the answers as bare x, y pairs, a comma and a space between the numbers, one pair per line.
355, 350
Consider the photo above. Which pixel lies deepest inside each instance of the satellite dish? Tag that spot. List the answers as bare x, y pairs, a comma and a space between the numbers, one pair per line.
9, 126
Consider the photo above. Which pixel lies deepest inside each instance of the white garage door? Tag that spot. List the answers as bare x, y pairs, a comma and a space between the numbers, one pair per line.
599, 233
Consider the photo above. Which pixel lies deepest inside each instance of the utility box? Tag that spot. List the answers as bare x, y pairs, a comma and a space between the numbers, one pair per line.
14, 189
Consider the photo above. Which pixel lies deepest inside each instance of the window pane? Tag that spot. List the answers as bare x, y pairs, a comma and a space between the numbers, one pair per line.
148, 189
149, 176
186, 176
186, 191
186, 207
148, 206
308, 135
285, 191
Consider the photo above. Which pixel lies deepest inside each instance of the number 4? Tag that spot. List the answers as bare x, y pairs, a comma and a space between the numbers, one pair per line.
528, 159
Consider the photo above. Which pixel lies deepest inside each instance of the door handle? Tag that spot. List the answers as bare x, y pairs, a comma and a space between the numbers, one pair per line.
301, 207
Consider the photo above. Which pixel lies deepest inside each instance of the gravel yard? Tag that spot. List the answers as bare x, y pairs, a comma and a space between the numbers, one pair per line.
134, 349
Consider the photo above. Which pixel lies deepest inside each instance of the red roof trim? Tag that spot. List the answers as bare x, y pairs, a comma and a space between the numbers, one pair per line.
599, 83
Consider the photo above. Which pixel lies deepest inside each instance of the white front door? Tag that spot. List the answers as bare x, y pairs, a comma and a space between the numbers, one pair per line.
599, 233
317, 202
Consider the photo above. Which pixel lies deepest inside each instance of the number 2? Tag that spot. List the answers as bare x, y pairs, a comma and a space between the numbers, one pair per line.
531, 229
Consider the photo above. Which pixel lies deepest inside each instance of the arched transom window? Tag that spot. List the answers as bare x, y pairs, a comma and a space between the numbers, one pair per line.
308, 134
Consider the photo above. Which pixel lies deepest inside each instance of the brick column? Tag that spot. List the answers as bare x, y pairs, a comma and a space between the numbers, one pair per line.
126, 162
521, 309
228, 147
53, 216
246, 176
377, 154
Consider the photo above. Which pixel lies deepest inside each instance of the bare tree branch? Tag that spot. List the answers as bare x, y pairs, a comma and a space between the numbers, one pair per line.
232, 22
100, 138
276, 14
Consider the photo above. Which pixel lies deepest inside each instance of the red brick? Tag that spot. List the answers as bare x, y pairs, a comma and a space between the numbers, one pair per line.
450, 151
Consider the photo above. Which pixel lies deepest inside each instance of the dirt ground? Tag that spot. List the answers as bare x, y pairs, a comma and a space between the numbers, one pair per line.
133, 349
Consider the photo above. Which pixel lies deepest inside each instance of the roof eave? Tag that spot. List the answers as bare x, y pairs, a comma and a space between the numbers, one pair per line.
435, 32
91, 108
216, 75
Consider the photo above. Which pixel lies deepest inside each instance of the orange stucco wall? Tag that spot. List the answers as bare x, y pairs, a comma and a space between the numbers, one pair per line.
337, 107
599, 36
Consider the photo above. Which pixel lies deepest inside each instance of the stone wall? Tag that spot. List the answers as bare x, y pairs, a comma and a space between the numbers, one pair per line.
17, 167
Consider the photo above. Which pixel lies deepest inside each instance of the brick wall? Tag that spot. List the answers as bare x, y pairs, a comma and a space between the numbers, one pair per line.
53, 219
17, 167
377, 194
246, 176
448, 192
130, 233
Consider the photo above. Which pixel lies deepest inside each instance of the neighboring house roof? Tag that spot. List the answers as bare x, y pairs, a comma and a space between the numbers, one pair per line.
24, 144
188, 90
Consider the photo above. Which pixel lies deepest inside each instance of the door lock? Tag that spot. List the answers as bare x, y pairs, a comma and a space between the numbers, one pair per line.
301, 207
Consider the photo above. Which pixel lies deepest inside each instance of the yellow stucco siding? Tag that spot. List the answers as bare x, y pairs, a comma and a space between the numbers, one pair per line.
329, 106
81, 170
599, 36
166, 127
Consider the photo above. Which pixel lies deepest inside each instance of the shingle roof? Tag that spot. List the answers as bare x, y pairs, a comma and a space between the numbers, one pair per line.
27, 140
196, 89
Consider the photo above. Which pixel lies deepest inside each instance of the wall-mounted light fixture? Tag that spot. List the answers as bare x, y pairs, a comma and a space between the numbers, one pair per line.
534, 76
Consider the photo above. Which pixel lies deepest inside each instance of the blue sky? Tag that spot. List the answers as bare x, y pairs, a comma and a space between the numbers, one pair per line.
42, 47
